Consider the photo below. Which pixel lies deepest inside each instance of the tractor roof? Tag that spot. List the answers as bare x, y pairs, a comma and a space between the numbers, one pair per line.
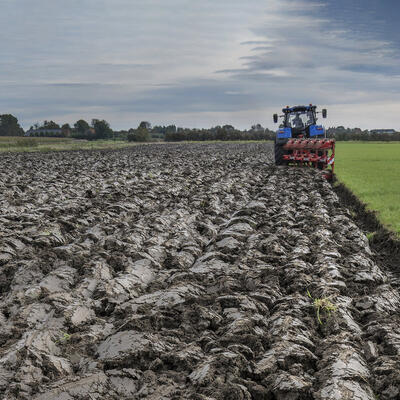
299, 109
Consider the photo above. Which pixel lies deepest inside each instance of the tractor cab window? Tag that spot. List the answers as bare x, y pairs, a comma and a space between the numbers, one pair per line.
300, 119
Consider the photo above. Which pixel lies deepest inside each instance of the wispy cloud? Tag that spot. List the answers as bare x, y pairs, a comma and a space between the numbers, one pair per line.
198, 62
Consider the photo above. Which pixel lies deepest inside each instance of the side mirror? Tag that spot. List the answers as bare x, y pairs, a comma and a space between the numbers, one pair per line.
324, 113
275, 118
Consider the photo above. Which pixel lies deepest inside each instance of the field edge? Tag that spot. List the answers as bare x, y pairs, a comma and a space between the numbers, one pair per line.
384, 241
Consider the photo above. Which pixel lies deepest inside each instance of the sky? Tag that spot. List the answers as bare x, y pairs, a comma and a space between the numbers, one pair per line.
200, 63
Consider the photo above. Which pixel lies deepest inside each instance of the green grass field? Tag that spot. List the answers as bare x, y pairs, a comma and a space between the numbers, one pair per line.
371, 170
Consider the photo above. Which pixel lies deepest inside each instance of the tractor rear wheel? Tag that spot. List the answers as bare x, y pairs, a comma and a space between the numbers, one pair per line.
279, 154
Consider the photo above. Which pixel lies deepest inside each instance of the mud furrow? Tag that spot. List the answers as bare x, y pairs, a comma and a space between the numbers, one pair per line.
185, 271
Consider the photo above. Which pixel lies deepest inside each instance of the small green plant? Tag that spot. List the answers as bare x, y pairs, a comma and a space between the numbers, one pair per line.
370, 235
64, 338
322, 305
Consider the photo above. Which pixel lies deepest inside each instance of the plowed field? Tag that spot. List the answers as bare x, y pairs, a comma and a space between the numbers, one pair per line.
185, 272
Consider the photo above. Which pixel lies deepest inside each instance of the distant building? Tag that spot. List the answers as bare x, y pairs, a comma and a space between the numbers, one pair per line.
382, 131
44, 132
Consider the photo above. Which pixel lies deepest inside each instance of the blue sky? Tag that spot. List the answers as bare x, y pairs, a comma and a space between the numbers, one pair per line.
199, 64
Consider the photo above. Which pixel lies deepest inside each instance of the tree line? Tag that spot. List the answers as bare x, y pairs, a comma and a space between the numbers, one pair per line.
225, 132
100, 129
341, 133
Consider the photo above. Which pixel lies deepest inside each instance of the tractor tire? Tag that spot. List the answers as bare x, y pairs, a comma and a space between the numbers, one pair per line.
320, 165
279, 154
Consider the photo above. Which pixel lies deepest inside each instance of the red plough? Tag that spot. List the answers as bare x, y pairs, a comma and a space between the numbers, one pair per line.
317, 153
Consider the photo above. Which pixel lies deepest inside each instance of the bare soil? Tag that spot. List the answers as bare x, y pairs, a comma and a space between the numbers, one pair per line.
185, 272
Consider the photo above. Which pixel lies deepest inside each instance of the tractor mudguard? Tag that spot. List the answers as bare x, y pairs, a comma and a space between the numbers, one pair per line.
284, 133
317, 130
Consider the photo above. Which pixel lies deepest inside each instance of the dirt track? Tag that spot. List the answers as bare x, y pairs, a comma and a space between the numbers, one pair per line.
181, 272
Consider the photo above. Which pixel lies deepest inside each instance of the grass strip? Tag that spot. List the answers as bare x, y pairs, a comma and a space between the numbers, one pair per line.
371, 170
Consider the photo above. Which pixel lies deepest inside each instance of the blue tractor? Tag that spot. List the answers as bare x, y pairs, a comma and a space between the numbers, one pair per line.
301, 141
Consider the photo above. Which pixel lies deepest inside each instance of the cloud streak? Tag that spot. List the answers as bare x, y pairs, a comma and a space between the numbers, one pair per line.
198, 62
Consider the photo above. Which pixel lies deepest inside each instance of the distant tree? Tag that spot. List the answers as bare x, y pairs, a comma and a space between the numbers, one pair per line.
170, 129
50, 125
257, 128
228, 128
158, 129
269, 135
120, 135
158, 132
102, 129
66, 130
81, 126
221, 133
170, 136
9, 126
145, 125
141, 134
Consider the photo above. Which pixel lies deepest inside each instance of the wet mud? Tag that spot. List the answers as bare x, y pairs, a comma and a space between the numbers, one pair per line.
188, 272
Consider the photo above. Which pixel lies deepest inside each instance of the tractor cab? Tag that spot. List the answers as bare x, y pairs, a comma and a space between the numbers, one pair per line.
300, 122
